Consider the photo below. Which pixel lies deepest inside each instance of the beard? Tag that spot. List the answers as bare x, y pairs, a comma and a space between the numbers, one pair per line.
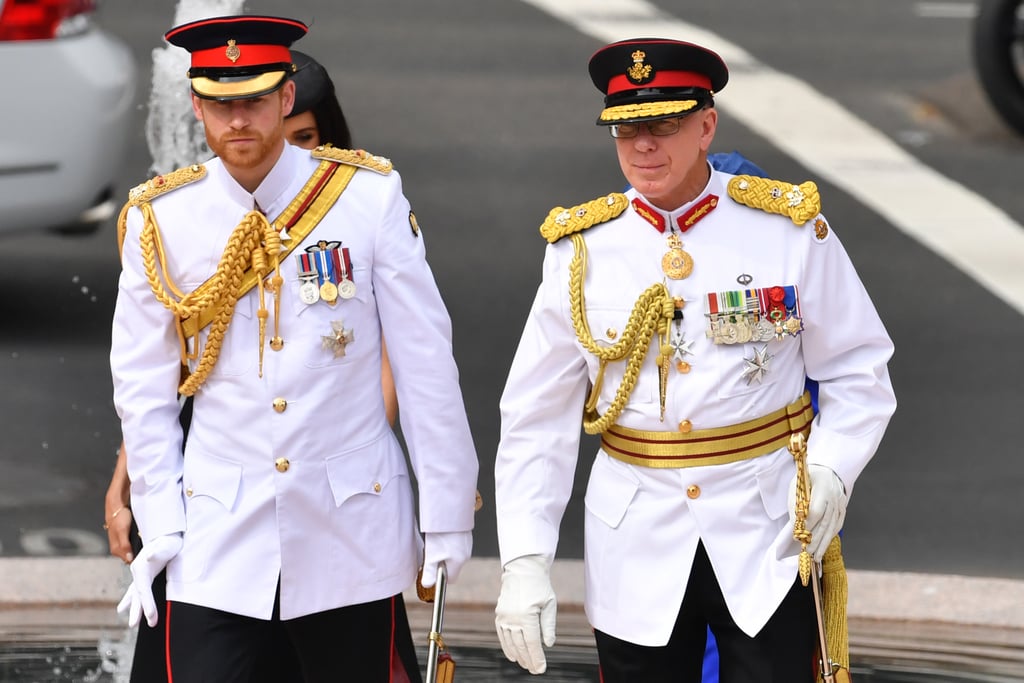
249, 155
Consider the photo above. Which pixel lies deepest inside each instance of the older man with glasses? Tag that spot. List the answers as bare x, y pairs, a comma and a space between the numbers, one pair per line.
681, 320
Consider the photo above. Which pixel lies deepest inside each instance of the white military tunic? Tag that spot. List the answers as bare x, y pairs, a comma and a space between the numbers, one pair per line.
316, 491
642, 524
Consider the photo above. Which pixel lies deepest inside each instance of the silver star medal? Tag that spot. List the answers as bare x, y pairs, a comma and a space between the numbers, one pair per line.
339, 339
680, 350
757, 367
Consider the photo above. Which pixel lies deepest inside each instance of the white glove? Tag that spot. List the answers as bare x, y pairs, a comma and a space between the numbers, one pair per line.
453, 548
827, 508
151, 560
526, 612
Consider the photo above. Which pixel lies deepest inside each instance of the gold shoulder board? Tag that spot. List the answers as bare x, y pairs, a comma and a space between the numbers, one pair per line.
561, 221
153, 188
158, 185
800, 202
354, 157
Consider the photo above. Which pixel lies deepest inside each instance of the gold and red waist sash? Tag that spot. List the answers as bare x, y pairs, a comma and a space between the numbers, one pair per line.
717, 446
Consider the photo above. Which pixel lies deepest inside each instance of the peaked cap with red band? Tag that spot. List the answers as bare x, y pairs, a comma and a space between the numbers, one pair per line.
644, 79
238, 57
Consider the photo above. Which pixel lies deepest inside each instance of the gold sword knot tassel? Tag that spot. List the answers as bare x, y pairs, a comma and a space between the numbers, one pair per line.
798, 448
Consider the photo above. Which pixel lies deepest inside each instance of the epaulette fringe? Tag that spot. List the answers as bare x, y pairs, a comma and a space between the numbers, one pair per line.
561, 221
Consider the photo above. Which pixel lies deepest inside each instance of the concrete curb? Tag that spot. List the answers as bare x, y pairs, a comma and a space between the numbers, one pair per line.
61, 581
895, 596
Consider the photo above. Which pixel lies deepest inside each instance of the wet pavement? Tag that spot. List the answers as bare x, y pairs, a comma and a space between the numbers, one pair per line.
58, 623
95, 663
93, 645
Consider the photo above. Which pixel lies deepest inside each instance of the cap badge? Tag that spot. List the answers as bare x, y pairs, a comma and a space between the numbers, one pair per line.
639, 72
232, 52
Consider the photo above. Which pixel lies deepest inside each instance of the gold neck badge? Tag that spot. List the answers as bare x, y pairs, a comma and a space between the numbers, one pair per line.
676, 263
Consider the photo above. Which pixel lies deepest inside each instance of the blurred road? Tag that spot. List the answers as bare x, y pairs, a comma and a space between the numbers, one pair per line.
486, 109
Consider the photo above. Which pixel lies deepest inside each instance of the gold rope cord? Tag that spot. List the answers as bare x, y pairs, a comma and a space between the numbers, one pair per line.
253, 242
651, 313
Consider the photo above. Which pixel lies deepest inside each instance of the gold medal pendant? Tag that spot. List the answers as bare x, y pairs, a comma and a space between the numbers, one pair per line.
329, 292
676, 264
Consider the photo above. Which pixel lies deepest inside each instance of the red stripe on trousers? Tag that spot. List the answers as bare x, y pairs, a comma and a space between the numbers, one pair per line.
167, 642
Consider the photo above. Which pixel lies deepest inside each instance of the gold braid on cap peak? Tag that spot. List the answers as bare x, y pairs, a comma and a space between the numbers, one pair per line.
627, 111
354, 157
561, 221
800, 202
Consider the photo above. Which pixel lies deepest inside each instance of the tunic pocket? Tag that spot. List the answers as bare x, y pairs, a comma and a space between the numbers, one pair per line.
212, 477
610, 491
607, 327
773, 483
364, 471
211, 486
350, 323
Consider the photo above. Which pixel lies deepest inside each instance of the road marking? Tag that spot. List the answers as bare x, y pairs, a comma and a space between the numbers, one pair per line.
966, 229
946, 10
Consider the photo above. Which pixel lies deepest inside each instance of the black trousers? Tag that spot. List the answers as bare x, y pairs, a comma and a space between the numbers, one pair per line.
278, 664
782, 652
367, 643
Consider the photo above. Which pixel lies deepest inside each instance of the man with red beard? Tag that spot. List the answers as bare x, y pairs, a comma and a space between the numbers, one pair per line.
260, 283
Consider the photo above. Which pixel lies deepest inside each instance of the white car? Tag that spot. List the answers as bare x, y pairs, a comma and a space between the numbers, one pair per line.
65, 123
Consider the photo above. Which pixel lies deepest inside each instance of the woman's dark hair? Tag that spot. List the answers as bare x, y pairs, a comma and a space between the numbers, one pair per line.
314, 92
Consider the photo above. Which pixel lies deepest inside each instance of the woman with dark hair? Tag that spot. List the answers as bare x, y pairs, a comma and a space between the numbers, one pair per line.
316, 117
